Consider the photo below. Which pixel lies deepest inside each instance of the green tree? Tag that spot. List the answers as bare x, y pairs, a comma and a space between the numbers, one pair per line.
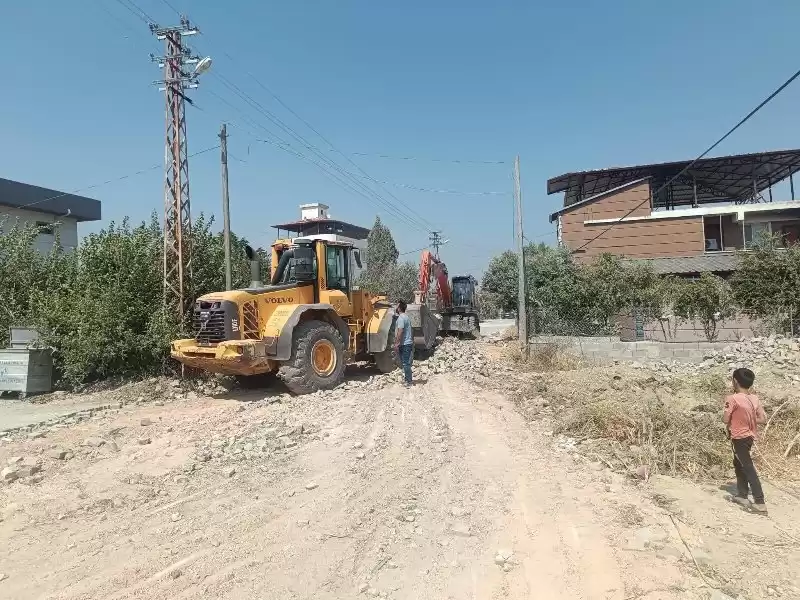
766, 283
101, 307
708, 299
382, 274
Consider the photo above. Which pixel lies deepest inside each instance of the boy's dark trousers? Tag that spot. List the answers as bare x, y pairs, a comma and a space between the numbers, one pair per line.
746, 476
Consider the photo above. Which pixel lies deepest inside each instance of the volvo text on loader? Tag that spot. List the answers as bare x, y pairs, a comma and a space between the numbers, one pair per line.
305, 325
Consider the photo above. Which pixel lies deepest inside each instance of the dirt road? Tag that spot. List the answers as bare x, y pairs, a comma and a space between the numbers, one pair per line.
440, 491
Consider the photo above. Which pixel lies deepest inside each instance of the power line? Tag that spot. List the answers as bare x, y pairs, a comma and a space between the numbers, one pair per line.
283, 144
436, 191
744, 120
97, 185
416, 222
136, 11
445, 160
327, 141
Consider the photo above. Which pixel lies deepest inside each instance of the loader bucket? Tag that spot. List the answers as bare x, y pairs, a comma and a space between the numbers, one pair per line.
425, 325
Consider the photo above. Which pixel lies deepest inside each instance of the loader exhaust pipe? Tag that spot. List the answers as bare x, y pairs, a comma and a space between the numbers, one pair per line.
255, 268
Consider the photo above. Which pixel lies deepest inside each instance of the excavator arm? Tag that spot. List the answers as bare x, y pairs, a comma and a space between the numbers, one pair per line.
431, 267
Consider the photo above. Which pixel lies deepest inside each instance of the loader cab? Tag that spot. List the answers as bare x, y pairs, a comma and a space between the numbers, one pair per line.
326, 263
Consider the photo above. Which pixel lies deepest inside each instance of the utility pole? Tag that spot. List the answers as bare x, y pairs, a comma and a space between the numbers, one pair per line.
177, 210
226, 209
436, 242
522, 311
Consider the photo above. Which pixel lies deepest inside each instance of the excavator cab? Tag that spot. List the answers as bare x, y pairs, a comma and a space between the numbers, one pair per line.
306, 324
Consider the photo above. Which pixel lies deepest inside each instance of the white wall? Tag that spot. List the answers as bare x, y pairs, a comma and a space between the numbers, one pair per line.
68, 227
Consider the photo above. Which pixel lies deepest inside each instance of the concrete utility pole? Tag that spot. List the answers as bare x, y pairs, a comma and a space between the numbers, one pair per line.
436, 242
177, 210
522, 311
226, 210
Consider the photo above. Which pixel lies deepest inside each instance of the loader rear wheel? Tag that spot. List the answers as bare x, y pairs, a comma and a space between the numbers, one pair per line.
387, 360
317, 361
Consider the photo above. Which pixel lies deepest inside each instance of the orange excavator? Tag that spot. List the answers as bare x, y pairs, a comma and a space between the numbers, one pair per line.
453, 302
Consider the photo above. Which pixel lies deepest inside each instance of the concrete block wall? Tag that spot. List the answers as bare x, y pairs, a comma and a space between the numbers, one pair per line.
607, 349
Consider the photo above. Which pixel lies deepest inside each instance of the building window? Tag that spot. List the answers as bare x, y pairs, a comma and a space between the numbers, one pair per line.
45, 228
713, 236
755, 232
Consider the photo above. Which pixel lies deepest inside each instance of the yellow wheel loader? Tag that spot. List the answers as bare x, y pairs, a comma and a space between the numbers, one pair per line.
305, 325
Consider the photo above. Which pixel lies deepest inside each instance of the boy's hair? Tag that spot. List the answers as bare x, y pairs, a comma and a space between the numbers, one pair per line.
744, 377
401, 306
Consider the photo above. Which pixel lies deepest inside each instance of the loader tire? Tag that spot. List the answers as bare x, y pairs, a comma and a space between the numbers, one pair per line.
387, 360
318, 359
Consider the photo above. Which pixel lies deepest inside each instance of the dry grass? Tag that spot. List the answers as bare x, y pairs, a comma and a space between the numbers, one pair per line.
545, 357
630, 432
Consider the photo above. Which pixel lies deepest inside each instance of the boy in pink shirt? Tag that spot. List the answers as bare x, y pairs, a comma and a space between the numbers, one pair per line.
743, 413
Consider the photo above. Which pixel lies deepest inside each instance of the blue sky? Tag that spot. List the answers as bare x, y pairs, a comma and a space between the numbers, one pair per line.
567, 86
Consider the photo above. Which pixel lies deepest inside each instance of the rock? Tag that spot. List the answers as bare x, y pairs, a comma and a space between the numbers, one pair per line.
175, 517
145, 422
361, 456
94, 442
646, 538
230, 472
15, 460
460, 529
505, 553
642, 472
57, 453
312, 486
358, 445
143, 441
174, 574
3, 576
719, 595
458, 511
409, 518
363, 587
204, 456
36, 435
28, 469
181, 479
10, 474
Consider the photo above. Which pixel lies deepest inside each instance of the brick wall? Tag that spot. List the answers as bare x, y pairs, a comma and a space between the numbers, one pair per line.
609, 349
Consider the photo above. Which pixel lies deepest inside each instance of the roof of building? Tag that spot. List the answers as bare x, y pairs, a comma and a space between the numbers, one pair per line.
711, 262
326, 225
15, 194
713, 179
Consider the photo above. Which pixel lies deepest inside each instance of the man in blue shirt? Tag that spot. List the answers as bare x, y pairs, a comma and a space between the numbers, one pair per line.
404, 341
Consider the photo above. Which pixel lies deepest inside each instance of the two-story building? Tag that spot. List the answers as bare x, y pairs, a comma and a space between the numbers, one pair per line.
682, 220
24, 204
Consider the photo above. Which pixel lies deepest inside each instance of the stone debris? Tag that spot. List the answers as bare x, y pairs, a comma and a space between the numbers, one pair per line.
461, 529
58, 454
10, 474
230, 472
94, 442
143, 441
145, 422
312, 486
15, 460
361, 456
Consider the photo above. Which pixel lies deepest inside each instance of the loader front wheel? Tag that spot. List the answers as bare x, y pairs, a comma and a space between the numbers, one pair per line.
387, 360
318, 359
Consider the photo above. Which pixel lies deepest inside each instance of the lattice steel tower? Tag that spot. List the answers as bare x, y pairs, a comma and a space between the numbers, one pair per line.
177, 210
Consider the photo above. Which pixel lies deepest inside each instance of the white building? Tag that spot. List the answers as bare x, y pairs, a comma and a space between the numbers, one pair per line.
23, 204
316, 221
